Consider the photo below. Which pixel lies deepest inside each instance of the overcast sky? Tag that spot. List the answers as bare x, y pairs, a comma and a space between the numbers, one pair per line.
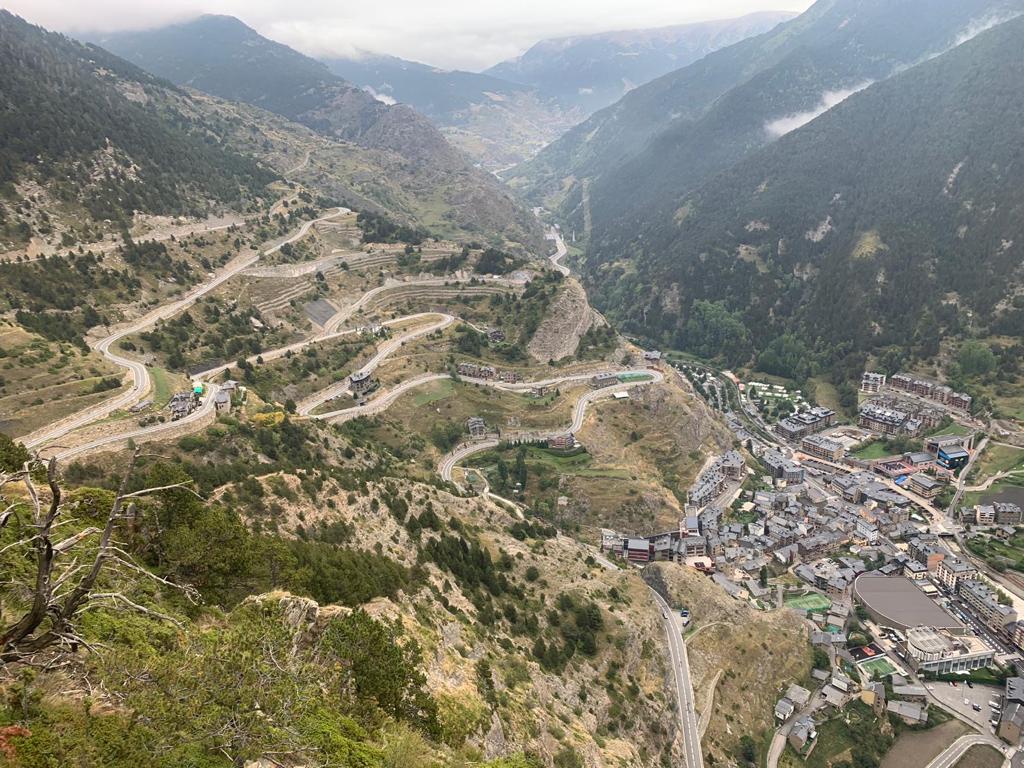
467, 34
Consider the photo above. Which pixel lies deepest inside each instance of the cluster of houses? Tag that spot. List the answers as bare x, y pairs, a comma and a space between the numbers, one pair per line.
476, 371
185, 402
764, 395
795, 524
931, 390
907, 701
998, 513
927, 558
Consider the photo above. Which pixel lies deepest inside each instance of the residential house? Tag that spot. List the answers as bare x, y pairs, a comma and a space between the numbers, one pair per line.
802, 733
909, 712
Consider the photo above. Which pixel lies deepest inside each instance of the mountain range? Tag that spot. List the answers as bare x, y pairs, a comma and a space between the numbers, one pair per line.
509, 112
699, 119
96, 137
590, 72
220, 55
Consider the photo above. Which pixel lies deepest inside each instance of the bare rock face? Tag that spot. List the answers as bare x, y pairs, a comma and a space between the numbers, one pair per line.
304, 617
568, 318
494, 742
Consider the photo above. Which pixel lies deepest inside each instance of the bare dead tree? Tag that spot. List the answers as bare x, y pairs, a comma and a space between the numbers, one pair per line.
64, 580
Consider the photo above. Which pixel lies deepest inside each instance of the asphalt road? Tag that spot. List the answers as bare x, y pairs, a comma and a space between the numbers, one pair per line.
688, 720
560, 251
346, 314
143, 434
952, 754
579, 413
385, 350
380, 403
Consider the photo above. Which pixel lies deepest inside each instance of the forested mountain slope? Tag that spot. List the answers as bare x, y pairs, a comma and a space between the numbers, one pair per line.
589, 72
90, 134
666, 137
894, 218
222, 56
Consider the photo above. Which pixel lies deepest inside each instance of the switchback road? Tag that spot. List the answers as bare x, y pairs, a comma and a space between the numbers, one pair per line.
139, 373
560, 251
579, 413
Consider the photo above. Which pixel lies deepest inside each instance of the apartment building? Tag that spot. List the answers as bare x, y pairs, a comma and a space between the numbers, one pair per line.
872, 382
887, 421
986, 604
822, 447
950, 572
804, 423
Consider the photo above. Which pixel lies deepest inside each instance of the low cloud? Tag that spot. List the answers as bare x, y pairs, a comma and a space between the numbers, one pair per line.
983, 24
445, 33
829, 99
381, 97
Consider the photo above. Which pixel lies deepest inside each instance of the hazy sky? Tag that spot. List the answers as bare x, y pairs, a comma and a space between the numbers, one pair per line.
469, 34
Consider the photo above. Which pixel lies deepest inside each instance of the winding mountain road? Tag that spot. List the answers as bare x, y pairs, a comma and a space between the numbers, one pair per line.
436, 282
184, 424
139, 374
381, 403
579, 413
560, 251
141, 384
386, 349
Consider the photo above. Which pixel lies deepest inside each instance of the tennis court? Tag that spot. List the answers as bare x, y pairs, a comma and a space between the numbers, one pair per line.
811, 601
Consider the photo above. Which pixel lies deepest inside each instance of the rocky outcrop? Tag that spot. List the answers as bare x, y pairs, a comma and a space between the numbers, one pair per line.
567, 319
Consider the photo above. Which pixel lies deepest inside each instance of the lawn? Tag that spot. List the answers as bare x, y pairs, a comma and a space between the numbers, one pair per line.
993, 551
876, 449
999, 458
981, 756
954, 428
165, 384
879, 449
811, 601
433, 393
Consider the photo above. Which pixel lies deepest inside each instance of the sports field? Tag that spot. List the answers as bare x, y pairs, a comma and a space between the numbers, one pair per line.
879, 667
812, 601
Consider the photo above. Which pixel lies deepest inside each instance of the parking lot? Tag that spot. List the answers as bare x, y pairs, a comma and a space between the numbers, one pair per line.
953, 697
